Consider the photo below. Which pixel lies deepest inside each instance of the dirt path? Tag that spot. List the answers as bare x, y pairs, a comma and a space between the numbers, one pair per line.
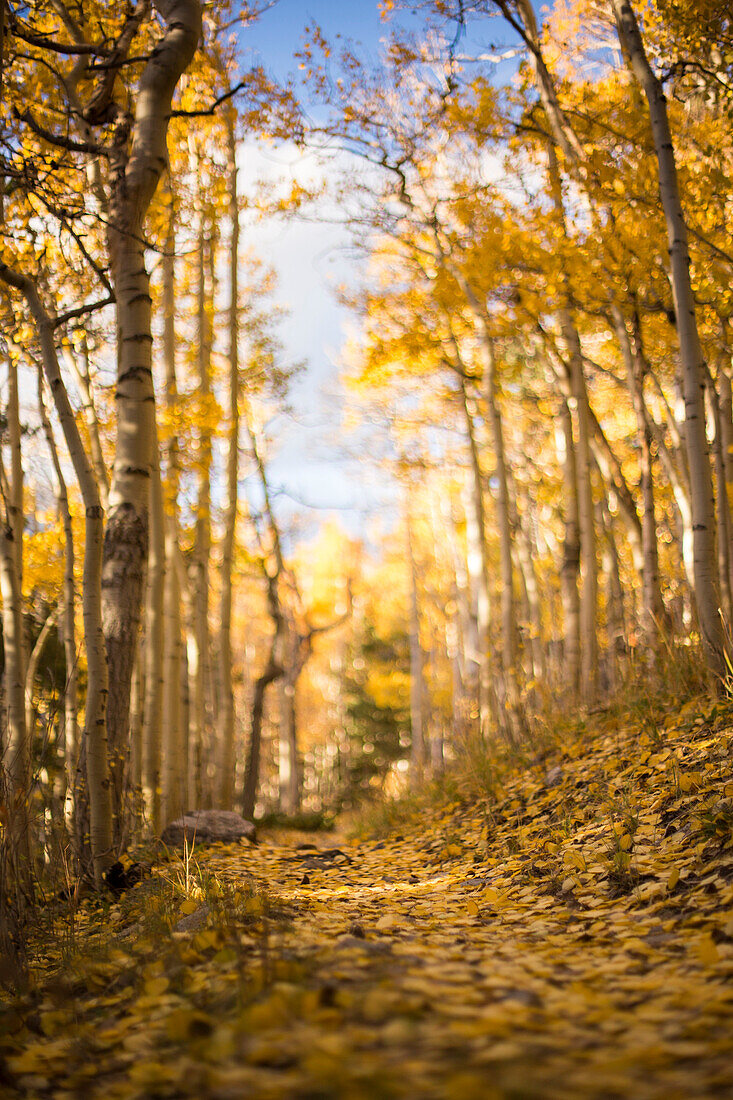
574, 940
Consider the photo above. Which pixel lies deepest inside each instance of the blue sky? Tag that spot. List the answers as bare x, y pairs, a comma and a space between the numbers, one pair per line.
309, 464
311, 259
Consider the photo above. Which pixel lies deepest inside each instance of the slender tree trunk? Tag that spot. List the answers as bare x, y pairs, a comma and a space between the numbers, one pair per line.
635, 363
134, 181
199, 651
18, 753
32, 670
167, 777
417, 666
478, 569
15, 499
272, 671
570, 569
615, 620
726, 436
526, 554
691, 359
508, 608
154, 650
586, 511
96, 770
83, 380
227, 761
69, 738
137, 703
722, 510
288, 763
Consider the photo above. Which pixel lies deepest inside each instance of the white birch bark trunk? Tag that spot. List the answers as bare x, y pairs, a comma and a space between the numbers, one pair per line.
722, 510
167, 763
583, 463
134, 181
83, 381
154, 638
69, 728
570, 567
417, 667
478, 570
96, 772
634, 361
503, 517
227, 760
200, 649
18, 748
691, 361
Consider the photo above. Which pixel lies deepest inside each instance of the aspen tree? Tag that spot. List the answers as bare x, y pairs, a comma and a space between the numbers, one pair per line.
69, 734
96, 777
636, 370
168, 781
17, 756
418, 716
135, 173
691, 360
226, 729
273, 668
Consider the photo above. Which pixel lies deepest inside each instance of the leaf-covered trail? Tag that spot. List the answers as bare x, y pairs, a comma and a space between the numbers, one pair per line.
574, 938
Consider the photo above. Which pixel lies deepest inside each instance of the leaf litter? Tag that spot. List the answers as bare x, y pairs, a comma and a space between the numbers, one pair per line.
570, 936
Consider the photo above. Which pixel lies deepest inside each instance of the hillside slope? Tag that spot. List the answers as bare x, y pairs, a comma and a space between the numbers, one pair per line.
570, 937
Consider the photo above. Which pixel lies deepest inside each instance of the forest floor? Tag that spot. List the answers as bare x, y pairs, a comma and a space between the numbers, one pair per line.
567, 934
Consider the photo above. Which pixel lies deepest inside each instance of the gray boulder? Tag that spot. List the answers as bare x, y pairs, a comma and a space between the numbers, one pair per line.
207, 827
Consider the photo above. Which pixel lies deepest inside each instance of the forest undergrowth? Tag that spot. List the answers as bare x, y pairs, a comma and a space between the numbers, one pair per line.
558, 924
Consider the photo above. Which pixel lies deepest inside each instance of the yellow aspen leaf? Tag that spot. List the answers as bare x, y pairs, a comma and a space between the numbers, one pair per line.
707, 951
189, 906
184, 1024
472, 909
625, 842
386, 922
674, 878
155, 986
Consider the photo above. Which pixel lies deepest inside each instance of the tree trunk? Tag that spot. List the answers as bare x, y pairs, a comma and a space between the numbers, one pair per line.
167, 777
722, 510
134, 181
272, 671
508, 608
417, 667
570, 568
96, 769
83, 380
18, 749
635, 363
288, 763
227, 761
32, 670
200, 650
69, 736
691, 360
478, 571
726, 436
154, 664
583, 463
